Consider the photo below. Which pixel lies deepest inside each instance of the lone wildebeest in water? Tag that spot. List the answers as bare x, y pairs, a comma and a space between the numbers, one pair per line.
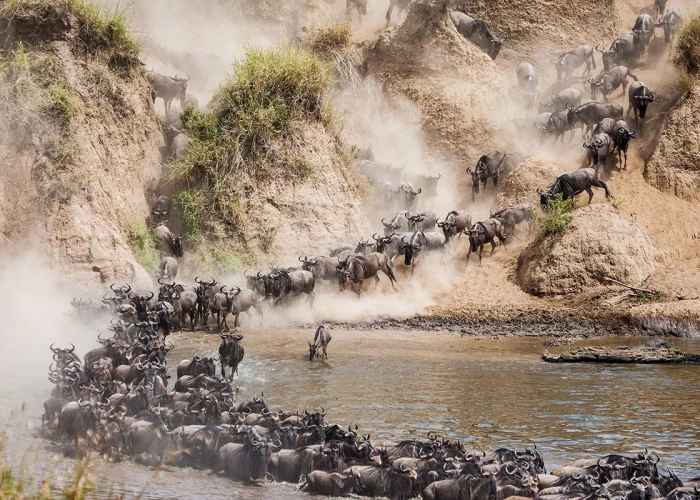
321, 341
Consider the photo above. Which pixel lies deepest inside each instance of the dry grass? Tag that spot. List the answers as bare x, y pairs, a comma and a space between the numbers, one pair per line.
687, 52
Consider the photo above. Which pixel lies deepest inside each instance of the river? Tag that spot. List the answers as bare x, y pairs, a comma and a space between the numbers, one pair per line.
488, 392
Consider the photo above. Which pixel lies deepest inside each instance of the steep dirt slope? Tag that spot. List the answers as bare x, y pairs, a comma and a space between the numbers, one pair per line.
455, 86
90, 158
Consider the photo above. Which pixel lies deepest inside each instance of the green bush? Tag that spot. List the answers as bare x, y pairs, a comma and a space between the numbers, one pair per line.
61, 104
246, 136
556, 215
687, 56
98, 34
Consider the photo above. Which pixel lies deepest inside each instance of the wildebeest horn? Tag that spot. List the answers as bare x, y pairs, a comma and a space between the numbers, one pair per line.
222, 289
508, 471
596, 47
149, 298
469, 170
54, 350
540, 191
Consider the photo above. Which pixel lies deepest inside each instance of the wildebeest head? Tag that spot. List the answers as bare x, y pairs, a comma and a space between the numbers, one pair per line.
475, 179
595, 88
176, 245
411, 248
544, 197
410, 193
363, 246
183, 86
306, 263
381, 242
313, 351
608, 56
140, 303
255, 282
626, 135
642, 101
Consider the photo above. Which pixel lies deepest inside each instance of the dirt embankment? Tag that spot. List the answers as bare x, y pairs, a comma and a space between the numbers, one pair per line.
455, 85
675, 165
82, 146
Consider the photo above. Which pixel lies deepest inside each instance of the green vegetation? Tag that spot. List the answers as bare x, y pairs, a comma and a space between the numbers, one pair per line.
687, 56
248, 137
556, 216
104, 36
61, 104
142, 243
329, 37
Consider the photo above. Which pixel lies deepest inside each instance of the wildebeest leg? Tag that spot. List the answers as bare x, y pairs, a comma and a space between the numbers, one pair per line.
469, 252
624, 88
493, 246
481, 251
250, 317
311, 296
223, 368
388, 12
324, 351
625, 159
260, 312
590, 193
376, 278
603, 185
236, 322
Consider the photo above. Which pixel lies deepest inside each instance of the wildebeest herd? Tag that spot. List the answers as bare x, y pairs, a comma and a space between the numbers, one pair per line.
116, 401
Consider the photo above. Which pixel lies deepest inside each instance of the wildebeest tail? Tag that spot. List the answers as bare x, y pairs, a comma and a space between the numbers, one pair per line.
304, 484
390, 272
634, 77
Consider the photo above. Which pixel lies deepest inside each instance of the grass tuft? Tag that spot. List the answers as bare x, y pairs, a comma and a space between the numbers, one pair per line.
687, 56
556, 216
98, 34
330, 37
142, 243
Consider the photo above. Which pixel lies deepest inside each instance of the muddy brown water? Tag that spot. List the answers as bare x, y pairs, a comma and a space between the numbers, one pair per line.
395, 384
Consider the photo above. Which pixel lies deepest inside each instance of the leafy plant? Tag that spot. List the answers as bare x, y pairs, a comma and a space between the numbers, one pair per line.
61, 105
556, 215
616, 202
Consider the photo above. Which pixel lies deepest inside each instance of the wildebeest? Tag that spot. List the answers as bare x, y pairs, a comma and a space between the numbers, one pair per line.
643, 31
359, 5
567, 62
167, 269
510, 217
189, 101
385, 481
247, 461
332, 483
476, 487
167, 241
321, 340
671, 22
410, 196
659, 6
477, 32
559, 123
421, 222
323, 268
639, 98
161, 209
497, 165
527, 83
592, 113
79, 419
455, 222
598, 150
195, 366
397, 224
620, 53
167, 88
573, 184
353, 272
402, 5
621, 137
606, 125
281, 286
154, 438
237, 302
607, 83
559, 102
392, 245
231, 352
421, 242
485, 232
